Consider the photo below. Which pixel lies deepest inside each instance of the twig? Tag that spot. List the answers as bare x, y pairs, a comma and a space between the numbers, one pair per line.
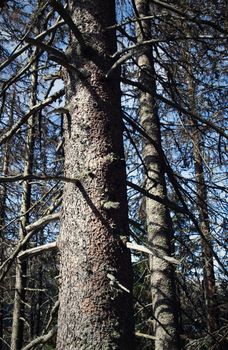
42, 339
143, 335
30, 229
6, 136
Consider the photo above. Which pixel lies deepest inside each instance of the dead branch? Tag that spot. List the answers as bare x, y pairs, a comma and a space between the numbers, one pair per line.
37, 250
30, 230
7, 135
68, 20
42, 339
141, 248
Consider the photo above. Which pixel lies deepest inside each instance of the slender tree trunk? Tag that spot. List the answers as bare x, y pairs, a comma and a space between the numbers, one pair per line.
3, 197
3, 193
2, 215
96, 277
206, 240
38, 315
158, 221
36, 301
17, 336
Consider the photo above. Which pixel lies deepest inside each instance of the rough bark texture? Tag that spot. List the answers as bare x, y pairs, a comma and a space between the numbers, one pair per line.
158, 221
206, 239
95, 313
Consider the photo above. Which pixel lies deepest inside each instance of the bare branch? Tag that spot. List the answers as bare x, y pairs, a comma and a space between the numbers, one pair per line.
158, 199
143, 249
55, 55
37, 250
178, 107
6, 136
68, 20
193, 18
193, 115
143, 335
14, 78
25, 47
40, 223
41, 340
47, 48
52, 314
30, 229
21, 177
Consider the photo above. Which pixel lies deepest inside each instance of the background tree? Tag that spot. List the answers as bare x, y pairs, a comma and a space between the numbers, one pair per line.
173, 26
158, 221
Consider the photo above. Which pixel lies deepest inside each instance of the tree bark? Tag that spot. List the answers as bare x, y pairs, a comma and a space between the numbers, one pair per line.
158, 221
95, 312
3, 193
3, 212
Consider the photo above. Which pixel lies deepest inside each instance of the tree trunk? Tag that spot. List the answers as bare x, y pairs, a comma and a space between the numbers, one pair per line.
206, 239
3, 193
95, 311
21, 267
158, 221
3, 208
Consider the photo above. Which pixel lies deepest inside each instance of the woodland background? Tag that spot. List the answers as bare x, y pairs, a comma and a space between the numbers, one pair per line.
171, 66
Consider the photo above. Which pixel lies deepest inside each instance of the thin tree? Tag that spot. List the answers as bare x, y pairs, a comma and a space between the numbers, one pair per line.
3, 195
209, 285
17, 336
158, 220
3, 214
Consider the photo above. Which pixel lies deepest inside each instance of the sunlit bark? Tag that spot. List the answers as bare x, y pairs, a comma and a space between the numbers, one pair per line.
95, 312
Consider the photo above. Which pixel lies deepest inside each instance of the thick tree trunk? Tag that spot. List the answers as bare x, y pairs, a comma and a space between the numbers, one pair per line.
158, 221
95, 311
21, 267
206, 239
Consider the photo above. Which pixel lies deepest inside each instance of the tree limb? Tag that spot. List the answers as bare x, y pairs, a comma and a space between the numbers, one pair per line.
158, 199
143, 249
37, 250
189, 17
7, 135
25, 47
41, 340
143, 335
177, 106
68, 20
30, 230
21, 177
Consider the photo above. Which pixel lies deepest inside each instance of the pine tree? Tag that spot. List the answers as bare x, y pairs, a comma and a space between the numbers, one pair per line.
96, 278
